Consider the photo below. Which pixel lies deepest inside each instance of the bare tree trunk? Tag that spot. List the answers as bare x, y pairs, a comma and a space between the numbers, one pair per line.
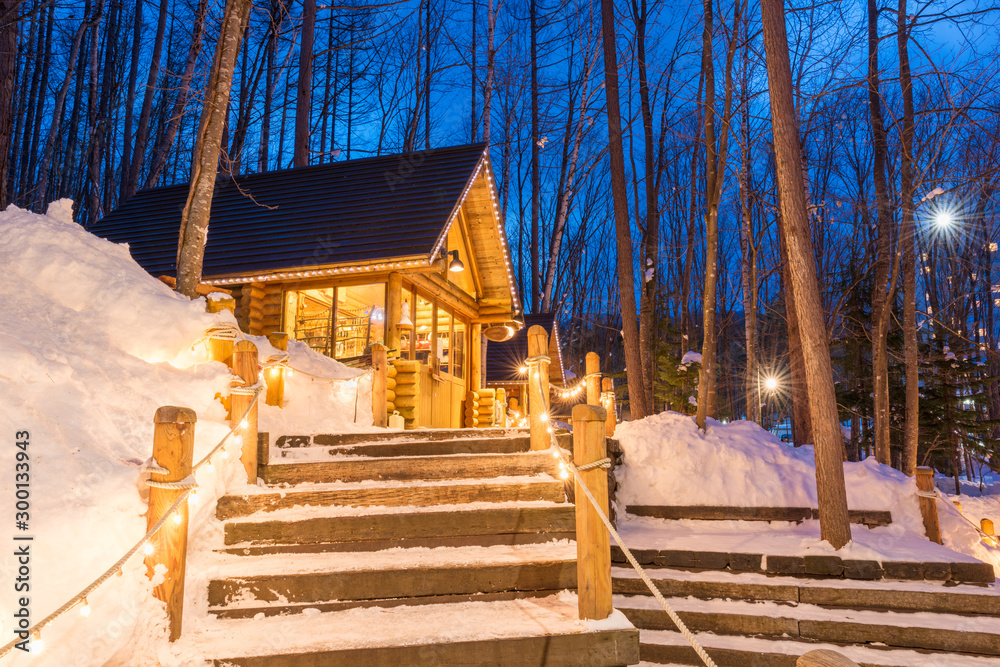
832, 494
278, 10
208, 145
651, 241
911, 433
801, 419
427, 85
303, 102
131, 182
689, 253
491, 53
162, 150
749, 264
133, 73
8, 75
100, 128
715, 170
881, 306
535, 149
626, 283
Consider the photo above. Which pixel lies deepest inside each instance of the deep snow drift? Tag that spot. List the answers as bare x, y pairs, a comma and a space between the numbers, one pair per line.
669, 461
90, 346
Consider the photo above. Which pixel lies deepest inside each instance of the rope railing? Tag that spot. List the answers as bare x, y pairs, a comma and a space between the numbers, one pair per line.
989, 540
567, 468
35, 631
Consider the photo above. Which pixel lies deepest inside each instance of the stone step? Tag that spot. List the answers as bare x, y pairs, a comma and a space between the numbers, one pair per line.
938, 632
529, 632
415, 443
423, 523
539, 487
401, 581
662, 647
415, 435
507, 540
479, 466
891, 596
433, 448
830, 567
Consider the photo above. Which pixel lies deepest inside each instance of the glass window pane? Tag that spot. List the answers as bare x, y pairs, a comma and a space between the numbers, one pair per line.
422, 329
406, 327
444, 340
360, 319
458, 355
309, 316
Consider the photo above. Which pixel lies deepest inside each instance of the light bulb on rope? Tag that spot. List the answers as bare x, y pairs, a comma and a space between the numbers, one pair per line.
148, 548
84, 608
177, 519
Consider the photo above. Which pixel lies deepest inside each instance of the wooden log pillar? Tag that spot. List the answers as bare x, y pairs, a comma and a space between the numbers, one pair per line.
593, 378
275, 377
380, 364
393, 310
476, 357
593, 543
928, 506
220, 301
824, 658
173, 450
538, 387
500, 406
245, 373
608, 403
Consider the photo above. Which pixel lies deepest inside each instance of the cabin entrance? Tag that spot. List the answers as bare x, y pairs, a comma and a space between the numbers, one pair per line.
437, 337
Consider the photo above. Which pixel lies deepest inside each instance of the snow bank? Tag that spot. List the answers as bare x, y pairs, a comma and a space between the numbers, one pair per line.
90, 346
669, 461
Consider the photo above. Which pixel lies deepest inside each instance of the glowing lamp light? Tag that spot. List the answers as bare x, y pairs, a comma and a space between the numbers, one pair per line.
944, 218
244, 424
456, 264
771, 384
177, 519
148, 548
37, 646
543, 417
522, 370
84, 608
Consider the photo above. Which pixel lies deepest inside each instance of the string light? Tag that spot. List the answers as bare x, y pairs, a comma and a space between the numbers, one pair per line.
244, 424
148, 548
177, 519
37, 646
85, 608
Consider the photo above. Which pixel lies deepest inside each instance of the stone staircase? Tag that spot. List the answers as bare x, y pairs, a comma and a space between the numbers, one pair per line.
754, 610
429, 548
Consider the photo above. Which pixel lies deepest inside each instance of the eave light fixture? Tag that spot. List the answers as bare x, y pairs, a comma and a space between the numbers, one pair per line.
456, 264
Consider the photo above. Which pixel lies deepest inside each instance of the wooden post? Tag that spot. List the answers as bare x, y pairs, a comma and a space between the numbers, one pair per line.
824, 658
500, 405
275, 378
593, 378
476, 357
246, 372
987, 527
393, 309
220, 301
593, 543
608, 393
173, 450
538, 387
380, 363
928, 506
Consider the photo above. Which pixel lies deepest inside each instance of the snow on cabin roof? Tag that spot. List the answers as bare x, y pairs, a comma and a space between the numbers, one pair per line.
503, 360
357, 211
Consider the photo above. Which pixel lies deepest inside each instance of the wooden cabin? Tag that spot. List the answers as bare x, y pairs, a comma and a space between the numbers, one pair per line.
505, 360
407, 250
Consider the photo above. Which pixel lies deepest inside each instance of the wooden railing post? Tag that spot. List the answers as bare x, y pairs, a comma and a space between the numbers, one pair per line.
593, 543
173, 450
380, 369
608, 403
275, 378
593, 378
220, 301
246, 372
928, 506
986, 525
538, 387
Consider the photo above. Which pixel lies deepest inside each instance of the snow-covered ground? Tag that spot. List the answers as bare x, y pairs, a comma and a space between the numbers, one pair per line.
90, 347
669, 461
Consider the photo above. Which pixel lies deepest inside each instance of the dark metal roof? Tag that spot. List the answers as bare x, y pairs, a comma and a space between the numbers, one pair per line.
504, 359
367, 210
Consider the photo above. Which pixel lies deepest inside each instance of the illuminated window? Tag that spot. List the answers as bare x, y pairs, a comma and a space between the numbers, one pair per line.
340, 322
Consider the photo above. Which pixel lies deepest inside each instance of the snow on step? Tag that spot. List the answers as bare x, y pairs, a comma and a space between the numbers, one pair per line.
305, 512
373, 627
732, 650
887, 543
225, 565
